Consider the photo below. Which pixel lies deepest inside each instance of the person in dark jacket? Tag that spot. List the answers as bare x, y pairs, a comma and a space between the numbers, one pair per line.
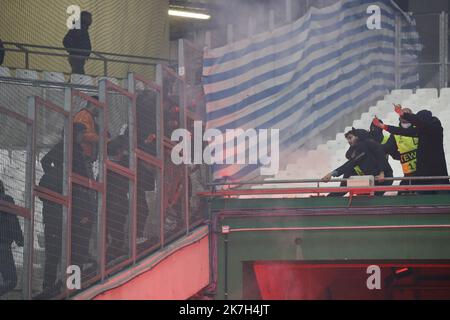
146, 104
10, 231
2, 52
52, 164
117, 200
365, 157
53, 167
78, 39
430, 150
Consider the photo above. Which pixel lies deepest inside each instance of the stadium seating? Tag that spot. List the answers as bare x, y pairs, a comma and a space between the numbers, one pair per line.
5, 72
81, 80
27, 74
316, 163
53, 76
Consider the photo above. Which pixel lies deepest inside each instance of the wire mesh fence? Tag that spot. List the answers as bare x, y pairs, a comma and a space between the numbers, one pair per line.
14, 157
192, 64
12, 255
93, 184
14, 177
118, 124
84, 242
174, 198
172, 96
148, 209
118, 219
49, 247
198, 177
148, 113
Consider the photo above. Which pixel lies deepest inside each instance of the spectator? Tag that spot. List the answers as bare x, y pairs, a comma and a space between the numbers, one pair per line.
84, 202
145, 183
430, 150
146, 104
87, 117
377, 135
365, 157
2, 52
403, 149
10, 231
52, 164
76, 40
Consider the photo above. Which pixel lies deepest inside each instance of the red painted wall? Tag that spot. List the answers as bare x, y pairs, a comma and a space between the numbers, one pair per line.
178, 277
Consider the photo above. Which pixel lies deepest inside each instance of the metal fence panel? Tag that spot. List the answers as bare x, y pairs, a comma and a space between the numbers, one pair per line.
174, 198
173, 90
118, 219
15, 148
50, 204
84, 231
12, 262
118, 123
148, 120
148, 207
49, 276
198, 178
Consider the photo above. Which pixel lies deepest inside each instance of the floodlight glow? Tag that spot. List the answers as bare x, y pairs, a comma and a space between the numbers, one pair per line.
189, 14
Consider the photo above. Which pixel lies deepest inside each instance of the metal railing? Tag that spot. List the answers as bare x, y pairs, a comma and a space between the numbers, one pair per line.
235, 188
77, 217
107, 58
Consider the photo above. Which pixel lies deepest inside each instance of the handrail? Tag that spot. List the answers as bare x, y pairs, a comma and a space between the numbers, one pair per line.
27, 50
22, 47
321, 190
242, 183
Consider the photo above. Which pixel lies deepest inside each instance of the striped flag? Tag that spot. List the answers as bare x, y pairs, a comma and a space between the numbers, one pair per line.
302, 77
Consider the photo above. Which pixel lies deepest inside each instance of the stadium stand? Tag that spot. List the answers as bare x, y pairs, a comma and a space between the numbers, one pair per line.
330, 155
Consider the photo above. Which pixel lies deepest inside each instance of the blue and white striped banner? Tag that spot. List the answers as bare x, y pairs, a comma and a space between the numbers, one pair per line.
301, 77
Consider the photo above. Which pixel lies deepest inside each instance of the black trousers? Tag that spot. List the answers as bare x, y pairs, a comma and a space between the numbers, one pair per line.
53, 241
7, 269
145, 182
81, 230
116, 218
77, 65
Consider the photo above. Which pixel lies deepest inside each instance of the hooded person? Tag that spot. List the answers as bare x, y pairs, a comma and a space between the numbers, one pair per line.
365, 157
52, 213
430, 149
